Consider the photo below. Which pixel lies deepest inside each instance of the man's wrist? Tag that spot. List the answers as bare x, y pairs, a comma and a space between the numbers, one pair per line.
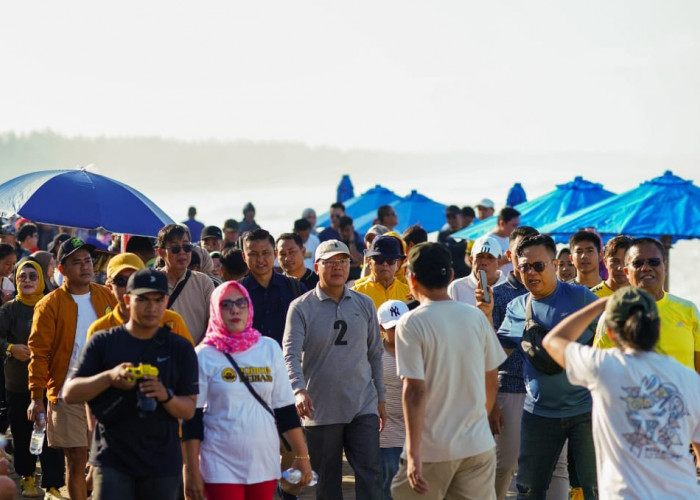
171, 395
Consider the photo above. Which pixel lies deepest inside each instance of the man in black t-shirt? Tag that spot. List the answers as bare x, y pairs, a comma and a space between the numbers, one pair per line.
136, 448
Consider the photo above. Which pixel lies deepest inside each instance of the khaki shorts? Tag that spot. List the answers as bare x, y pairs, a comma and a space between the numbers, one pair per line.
66, 425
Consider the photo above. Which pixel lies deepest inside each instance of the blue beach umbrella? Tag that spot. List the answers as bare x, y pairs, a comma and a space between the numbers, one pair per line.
345, 189
565, 199
78, 198
412, 209
516, 195
367, 202
664, 207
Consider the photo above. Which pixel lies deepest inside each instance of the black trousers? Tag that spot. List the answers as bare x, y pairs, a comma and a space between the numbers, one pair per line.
52, 461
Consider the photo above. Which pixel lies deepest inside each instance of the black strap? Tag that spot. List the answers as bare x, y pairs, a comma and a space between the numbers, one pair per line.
296, 287
178, 289
248, 385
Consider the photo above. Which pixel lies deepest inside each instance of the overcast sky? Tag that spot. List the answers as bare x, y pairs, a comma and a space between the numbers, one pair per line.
489, 76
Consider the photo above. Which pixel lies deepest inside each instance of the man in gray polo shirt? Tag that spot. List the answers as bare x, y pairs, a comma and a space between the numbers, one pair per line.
333, 352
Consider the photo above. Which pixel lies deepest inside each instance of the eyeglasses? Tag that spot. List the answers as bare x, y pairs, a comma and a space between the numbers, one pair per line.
378, 259
28, 277
335, 263
538, 267
227, 305
187, 247
653, 262
336, 216
120, 281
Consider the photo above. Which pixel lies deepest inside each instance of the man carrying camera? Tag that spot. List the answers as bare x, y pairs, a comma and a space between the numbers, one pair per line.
138, 380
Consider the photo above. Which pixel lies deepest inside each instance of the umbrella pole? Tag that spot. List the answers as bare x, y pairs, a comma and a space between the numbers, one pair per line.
667, 242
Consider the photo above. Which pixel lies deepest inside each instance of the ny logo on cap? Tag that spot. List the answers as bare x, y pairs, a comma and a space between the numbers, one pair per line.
394, 311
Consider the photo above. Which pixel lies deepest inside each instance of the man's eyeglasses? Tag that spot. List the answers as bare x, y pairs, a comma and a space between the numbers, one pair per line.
335, 263
227, 305
120, 281
378, 259
187, 247
336, 216
653, 262
28, 277
538, 267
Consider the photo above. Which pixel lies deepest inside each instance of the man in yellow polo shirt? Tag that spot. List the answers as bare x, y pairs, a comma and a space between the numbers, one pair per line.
645, 266
381, 285
119, 268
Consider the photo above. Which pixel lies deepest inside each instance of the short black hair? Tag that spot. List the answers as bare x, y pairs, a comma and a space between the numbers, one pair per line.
302, 225
232, 260
259, 234
415, 234
580, 236
172, 232
5, 250
383, 211
636, 242
523, 231
507, 214
537, 240
345, 221
26, 230
563, 251
468, 212
290, 236
139, 244
339, 205
617, 243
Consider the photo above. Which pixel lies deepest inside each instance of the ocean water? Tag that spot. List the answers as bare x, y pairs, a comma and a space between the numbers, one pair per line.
278, 206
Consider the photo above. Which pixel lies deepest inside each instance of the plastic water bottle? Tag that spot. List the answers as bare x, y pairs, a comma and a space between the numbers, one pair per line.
37, 442
293, 476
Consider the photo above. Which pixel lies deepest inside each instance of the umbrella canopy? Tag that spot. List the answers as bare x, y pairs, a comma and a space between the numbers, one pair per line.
565, 199
516, 195
345, 189
413, 209
663, 206
369, 201
78, 198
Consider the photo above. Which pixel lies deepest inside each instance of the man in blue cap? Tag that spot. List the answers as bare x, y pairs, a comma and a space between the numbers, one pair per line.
384, 256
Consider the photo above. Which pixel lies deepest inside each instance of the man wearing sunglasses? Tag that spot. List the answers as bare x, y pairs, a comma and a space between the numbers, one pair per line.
384, 256
119, 268
189, 291
337, 210
554, 409
645, 266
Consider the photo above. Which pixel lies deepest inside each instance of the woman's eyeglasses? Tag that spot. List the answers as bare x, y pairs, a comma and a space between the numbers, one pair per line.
28, 277
227, 305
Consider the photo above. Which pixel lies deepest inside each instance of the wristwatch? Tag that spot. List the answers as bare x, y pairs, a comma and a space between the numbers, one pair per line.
171, 395
8, 351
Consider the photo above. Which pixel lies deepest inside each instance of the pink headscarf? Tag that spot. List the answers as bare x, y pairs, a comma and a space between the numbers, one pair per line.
218, 335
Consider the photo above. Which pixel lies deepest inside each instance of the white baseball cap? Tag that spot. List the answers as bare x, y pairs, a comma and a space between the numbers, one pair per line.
390, 312
487, 244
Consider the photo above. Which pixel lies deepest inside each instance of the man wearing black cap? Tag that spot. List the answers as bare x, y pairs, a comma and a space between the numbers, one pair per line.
136, 449
384, 256
212, 240
448, 357
59, 328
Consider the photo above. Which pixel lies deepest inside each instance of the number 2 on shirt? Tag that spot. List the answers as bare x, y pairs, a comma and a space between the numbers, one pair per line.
342, 327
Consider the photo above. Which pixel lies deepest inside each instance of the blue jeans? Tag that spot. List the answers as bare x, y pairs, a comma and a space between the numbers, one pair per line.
109, 483
390, 464
541, 442
360, 441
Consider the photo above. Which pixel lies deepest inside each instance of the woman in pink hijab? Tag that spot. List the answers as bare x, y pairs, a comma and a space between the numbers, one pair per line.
232, 444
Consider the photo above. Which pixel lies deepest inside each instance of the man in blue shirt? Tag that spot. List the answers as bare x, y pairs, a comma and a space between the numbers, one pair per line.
554, 410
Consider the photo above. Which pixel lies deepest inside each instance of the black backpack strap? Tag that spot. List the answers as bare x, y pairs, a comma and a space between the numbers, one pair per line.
248, 385
296, 287
178, 289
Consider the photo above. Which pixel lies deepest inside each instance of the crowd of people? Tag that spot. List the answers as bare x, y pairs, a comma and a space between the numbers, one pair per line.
193, 364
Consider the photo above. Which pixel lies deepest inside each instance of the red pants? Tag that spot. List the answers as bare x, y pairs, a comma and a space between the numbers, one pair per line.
257, 491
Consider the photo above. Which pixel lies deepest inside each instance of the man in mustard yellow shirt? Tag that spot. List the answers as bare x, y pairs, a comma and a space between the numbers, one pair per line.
119, 268
645, 266
381, 285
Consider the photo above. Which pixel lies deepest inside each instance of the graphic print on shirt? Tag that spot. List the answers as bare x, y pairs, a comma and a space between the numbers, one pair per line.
256, 373
654, 410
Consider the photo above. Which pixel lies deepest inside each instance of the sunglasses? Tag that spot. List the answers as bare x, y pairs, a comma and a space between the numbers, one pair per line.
653, 262
187, 247
227, 305
336, 216
120, 281
28, 277
378, 259
538, 267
